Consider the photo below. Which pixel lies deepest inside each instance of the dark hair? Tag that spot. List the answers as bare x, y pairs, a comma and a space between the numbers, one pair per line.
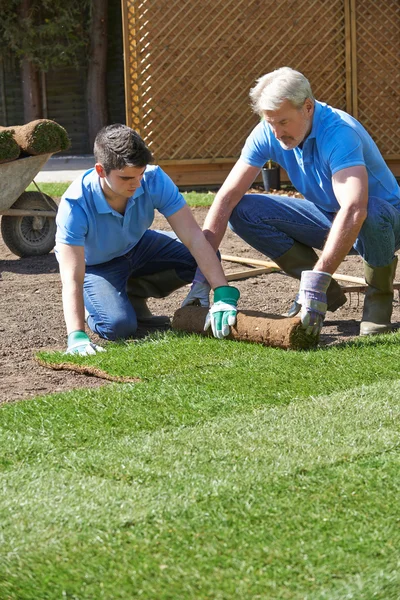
117, 146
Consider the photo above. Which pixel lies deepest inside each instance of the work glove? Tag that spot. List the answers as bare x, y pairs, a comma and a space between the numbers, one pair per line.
79, 343
222, 313
295, 307
313, 301
199, 292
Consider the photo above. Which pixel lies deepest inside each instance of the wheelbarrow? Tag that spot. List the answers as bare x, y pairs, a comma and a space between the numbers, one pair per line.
28, 224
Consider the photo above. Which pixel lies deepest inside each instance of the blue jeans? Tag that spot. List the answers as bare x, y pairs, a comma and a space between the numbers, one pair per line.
271, 224
111, 314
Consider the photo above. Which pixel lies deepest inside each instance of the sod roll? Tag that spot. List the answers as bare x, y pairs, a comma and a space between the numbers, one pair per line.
39, 137
251, 326
9, 149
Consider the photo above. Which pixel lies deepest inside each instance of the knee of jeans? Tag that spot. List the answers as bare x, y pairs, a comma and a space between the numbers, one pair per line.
116, 329
375, 215
239, 215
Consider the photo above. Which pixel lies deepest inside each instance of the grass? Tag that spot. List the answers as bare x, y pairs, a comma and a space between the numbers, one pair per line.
232, 471
56, 190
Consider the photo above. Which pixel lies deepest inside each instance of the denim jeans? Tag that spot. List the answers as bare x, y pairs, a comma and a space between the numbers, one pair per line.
111, 314
271, 224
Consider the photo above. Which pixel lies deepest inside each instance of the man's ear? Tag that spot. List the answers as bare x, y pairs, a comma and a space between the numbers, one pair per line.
100, 170
309, 106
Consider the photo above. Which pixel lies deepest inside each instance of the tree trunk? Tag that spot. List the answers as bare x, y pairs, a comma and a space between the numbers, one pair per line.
96, 90
31, 81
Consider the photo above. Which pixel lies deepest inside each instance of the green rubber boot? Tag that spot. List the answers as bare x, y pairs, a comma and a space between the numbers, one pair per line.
303, 258
378, 303
157, 285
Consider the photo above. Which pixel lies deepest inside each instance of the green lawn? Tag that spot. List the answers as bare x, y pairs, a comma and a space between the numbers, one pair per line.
231, 471
56, 190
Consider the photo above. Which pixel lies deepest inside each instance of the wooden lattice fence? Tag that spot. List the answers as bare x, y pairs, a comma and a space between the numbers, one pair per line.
189, 66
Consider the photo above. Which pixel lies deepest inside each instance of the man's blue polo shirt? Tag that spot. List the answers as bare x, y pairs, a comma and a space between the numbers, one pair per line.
86, 219
336, 141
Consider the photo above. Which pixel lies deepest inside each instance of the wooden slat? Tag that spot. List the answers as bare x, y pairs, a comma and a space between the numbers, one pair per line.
248, 273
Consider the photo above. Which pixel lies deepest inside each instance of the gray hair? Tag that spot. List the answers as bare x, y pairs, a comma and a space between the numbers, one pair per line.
275, 87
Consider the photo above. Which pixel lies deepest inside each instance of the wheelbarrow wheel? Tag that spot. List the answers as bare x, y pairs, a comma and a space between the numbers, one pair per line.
30, 236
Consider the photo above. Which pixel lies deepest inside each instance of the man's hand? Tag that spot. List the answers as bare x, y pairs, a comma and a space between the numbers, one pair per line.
222, 314
312, 297
199, 292
79, 343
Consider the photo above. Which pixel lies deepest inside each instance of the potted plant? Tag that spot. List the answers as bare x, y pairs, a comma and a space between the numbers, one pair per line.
271, 176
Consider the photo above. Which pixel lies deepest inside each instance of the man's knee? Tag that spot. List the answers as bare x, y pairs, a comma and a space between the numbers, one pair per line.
242, 214
117, 328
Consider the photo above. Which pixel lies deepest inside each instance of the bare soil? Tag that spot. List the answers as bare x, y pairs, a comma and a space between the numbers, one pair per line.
32, 318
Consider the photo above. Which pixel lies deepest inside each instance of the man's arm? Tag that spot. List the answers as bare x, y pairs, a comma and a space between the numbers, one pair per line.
351, 190
189, 232
72, 270
233, 189
222, 314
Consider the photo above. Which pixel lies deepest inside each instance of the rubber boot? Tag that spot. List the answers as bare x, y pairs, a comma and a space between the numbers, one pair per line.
157, 285
303, 258
378, 303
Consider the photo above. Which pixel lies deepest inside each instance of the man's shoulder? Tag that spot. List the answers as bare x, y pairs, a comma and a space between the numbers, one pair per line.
156, 181
153, 173
337, 128
332, 119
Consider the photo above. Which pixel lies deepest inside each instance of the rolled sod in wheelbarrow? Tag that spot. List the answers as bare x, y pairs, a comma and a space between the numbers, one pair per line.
9, 149
39, 137
251, 326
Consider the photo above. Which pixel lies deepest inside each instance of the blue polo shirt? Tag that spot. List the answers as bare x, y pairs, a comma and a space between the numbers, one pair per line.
336, 141
85, 218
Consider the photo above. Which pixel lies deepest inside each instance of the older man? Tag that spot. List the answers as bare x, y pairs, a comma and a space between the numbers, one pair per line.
352, 200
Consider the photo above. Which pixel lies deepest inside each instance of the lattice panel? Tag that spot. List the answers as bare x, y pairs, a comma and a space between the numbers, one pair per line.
193, 62
378, 71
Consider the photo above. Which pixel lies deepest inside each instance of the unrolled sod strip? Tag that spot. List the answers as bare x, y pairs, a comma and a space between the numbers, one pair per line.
251, 326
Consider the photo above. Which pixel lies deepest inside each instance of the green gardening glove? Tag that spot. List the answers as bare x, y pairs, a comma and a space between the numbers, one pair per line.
79, 343
222, 313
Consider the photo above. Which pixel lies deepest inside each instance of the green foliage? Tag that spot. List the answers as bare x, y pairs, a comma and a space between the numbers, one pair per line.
53, 34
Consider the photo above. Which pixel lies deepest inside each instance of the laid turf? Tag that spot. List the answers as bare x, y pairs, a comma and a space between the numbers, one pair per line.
231, 471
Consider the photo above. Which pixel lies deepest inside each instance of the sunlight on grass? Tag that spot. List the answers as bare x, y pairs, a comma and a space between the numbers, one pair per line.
286, 501
231, 471
56, 190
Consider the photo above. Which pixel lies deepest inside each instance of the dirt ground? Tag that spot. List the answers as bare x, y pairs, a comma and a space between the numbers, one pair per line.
32, 318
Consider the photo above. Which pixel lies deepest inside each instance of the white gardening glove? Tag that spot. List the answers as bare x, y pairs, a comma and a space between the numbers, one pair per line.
313, 301
199, 292
79, 343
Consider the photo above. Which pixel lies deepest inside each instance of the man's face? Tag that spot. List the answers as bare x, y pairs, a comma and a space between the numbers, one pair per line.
290, 125
121, 182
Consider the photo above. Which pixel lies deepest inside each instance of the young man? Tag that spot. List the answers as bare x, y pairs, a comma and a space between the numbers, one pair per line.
110, 261
352, 201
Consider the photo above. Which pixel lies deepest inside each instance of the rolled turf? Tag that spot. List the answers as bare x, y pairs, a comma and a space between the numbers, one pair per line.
42, 136
251, 326
9, 149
